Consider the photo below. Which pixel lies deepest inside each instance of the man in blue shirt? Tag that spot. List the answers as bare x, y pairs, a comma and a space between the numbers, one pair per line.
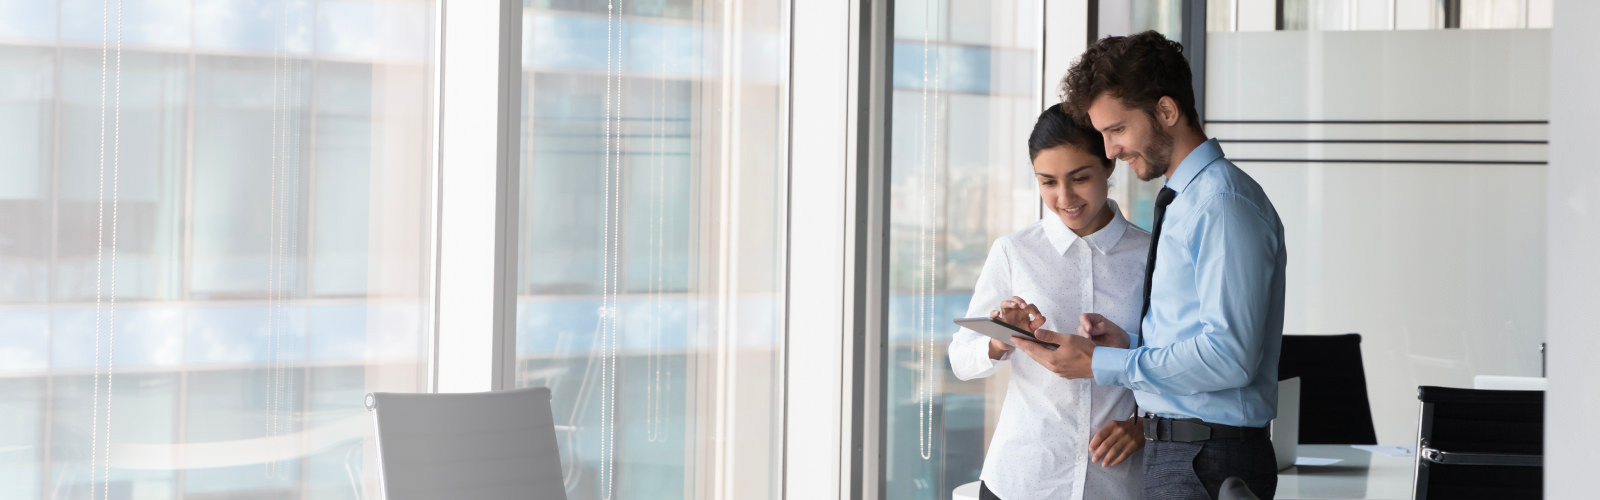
1204, 368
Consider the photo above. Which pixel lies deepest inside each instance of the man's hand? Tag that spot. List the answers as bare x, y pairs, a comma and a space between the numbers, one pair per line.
1116, 442
1074, 359
1102, 331
1019, 313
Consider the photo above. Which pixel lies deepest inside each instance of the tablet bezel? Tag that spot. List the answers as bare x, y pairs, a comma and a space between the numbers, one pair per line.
999, 330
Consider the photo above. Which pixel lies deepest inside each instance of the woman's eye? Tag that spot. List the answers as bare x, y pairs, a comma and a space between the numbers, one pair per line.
1048, 183
1081, 179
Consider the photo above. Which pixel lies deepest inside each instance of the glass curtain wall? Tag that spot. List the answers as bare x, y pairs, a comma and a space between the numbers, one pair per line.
651, 245
213, 241
964, 100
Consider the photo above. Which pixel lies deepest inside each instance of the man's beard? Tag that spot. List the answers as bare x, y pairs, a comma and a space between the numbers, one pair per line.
1157, 157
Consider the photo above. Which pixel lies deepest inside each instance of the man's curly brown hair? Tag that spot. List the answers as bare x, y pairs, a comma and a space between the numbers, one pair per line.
1138, 69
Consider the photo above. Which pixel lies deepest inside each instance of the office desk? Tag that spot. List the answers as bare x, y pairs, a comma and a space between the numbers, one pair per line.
1358, 474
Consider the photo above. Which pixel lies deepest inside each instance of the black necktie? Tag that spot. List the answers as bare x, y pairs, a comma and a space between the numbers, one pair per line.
1162, 200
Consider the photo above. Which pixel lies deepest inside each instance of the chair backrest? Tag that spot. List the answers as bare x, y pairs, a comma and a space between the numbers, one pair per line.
1333, 388
1474, 443
482, 445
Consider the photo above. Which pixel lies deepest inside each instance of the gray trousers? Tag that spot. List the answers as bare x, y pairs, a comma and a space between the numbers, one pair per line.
1193, 471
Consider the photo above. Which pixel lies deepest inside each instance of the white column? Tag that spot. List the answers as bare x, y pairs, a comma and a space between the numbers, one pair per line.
476, 176
820, 162
1572, 277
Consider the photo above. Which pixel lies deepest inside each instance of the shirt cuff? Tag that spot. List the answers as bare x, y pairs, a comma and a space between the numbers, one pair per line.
1110, 365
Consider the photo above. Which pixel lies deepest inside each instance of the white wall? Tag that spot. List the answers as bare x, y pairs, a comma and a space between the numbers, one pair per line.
1573, 247
1438, 266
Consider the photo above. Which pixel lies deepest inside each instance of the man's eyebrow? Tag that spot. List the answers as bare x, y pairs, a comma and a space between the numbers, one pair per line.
1111, 126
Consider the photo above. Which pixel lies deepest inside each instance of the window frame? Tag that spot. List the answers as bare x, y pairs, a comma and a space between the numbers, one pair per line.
836, 264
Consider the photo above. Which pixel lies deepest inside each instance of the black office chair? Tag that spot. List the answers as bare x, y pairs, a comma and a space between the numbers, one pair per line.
1474, 443
1333, 388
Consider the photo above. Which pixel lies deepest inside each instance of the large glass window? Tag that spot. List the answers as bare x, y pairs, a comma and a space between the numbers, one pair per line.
651, 242
964, 100
213, 241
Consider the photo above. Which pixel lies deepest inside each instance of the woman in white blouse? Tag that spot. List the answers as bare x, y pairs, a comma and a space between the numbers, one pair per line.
1061, 438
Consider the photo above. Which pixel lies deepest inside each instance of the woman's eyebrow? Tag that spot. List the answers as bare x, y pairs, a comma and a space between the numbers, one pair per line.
1044, 175
1079, 169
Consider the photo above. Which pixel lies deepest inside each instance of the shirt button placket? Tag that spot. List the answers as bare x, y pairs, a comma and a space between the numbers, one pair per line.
1086, 288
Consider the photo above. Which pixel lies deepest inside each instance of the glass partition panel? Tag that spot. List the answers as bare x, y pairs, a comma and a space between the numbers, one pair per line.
650, 293
215, 224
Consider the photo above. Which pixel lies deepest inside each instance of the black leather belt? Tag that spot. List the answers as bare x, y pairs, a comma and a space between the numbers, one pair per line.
1190, 430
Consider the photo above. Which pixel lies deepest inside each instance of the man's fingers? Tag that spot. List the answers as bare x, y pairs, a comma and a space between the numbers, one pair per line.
1028, 346
1047, 336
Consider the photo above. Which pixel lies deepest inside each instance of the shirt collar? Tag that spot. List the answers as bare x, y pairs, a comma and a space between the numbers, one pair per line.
1203, 155
1061, 237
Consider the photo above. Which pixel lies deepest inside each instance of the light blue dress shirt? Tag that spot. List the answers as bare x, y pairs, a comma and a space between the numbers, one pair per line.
1215, 324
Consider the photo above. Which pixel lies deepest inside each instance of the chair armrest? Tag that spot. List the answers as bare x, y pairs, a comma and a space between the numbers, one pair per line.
1499, 459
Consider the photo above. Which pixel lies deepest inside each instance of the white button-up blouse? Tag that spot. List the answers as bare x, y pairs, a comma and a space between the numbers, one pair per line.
1040, 447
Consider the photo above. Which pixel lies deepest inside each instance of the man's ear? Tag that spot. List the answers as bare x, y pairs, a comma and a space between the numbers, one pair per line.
1167, 112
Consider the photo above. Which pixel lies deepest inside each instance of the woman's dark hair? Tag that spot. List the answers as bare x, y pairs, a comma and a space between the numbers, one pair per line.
1138, 69
1055, 128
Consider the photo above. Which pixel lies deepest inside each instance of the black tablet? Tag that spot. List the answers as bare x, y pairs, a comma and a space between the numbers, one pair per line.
999, 330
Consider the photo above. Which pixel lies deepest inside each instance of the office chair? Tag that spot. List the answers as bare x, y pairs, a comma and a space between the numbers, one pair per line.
1474, 443
498, 444
1333, 388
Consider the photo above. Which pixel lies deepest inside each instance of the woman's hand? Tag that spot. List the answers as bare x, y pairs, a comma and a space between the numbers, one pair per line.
1019, 313
1116, 442
998, 349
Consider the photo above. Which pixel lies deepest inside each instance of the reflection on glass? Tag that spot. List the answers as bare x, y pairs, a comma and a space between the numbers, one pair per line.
261, 223
651, 240
963, 104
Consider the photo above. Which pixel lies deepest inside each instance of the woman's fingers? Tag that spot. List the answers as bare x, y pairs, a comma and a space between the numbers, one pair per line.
1115, 443
1104, 441
1127, 451
1038, 317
